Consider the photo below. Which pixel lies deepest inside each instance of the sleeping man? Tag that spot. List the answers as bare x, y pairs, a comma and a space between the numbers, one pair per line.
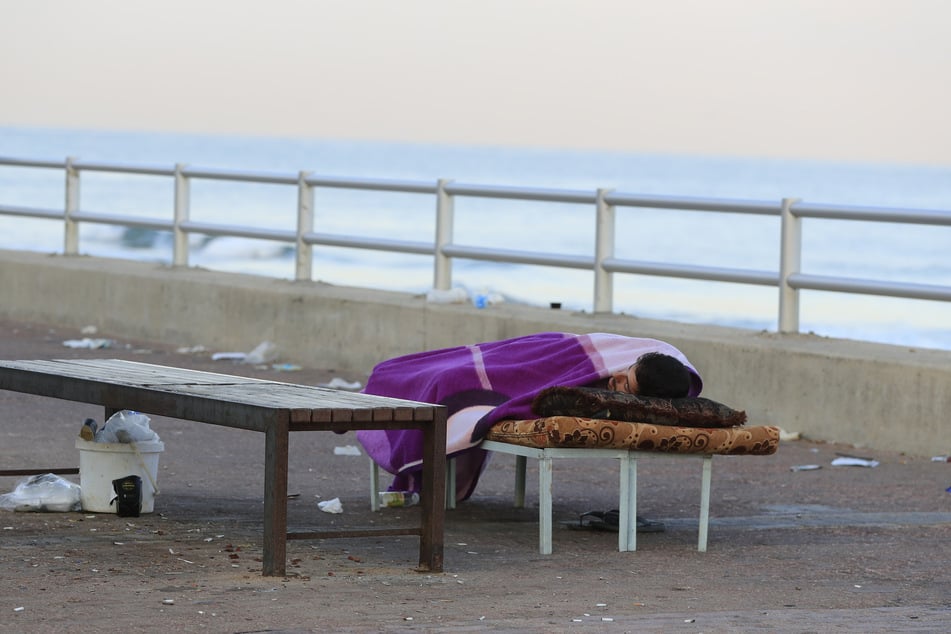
484, 383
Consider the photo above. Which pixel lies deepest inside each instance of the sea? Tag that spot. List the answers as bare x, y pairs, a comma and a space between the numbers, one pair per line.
865, 250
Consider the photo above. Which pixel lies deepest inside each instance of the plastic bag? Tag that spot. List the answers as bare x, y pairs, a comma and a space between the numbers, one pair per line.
46, 492
126, 426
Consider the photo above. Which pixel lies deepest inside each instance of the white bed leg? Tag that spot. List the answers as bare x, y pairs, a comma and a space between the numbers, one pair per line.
705, 502
544, 505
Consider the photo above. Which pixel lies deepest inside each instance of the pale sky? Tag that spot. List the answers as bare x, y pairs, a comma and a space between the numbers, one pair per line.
862, 80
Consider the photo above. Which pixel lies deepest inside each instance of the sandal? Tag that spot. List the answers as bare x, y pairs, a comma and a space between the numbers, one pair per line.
611, 521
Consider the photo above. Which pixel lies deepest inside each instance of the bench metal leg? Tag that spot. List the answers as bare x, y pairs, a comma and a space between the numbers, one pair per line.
705, 502
275, 499
433, 497
374, 486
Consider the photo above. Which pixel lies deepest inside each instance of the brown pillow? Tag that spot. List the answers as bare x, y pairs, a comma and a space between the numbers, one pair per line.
606, 404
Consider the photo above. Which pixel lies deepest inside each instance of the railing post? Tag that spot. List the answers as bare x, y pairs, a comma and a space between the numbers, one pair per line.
71, 238
603, 249
790, 260
442, 265
182, 211
304, 251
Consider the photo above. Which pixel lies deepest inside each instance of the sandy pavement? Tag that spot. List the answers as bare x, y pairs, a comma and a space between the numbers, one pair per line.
851, 549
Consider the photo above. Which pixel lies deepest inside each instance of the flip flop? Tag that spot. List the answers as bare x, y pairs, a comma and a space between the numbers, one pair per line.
611, 520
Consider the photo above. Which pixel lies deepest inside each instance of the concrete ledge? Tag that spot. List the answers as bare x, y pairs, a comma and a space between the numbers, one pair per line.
866, 394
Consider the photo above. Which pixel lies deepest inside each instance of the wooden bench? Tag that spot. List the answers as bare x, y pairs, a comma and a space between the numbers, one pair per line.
270, 407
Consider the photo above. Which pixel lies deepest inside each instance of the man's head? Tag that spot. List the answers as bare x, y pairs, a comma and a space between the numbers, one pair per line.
653, 374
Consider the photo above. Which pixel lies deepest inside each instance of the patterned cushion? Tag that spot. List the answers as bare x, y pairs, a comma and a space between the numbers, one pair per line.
573, 431
599, 403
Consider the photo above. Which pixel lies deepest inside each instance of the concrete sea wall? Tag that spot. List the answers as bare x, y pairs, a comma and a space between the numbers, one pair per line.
867, 394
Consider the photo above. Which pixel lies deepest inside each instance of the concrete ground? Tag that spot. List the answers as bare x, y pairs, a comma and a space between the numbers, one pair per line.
852, 549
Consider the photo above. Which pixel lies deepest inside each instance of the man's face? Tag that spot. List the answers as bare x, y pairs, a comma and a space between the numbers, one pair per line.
624, 381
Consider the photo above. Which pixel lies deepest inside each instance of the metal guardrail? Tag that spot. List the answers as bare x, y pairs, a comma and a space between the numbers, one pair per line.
789, 280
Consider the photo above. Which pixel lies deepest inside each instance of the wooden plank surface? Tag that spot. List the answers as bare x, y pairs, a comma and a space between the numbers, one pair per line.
99, 380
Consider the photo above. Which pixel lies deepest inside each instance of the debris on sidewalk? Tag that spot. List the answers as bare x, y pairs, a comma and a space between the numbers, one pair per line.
330, 506
341, 384
125, 426
265, 352
851, 461
347, 450
89, 344
196, 349
47, 492
805, 467
229, 356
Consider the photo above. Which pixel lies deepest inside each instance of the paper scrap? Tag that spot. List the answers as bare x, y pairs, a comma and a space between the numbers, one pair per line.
86, 342
846, 461
330, 506
341, 384
265, 352
347, 450
229, 356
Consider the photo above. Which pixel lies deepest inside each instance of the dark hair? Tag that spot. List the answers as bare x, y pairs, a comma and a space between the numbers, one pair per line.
661, 375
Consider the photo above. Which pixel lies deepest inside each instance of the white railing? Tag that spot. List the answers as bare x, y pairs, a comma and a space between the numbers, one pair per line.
789, 280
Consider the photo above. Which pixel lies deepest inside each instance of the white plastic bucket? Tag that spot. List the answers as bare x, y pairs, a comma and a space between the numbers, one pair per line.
102, 462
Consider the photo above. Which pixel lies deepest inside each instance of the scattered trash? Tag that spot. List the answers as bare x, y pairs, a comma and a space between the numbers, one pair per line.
47, 492
122, 455
341, 384
948, 490
168, 601
850, 461
396, 499
485, 298
788, 435
347, 450
264, 353
126, 426
19, 609
456, 295
330, 506
88, 431
88, 330
190, 349
941, 459
805, 467
285, 367
86, 342
229, 356
128, 498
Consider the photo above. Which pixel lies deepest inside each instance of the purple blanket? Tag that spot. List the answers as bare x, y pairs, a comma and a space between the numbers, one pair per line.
484, 383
